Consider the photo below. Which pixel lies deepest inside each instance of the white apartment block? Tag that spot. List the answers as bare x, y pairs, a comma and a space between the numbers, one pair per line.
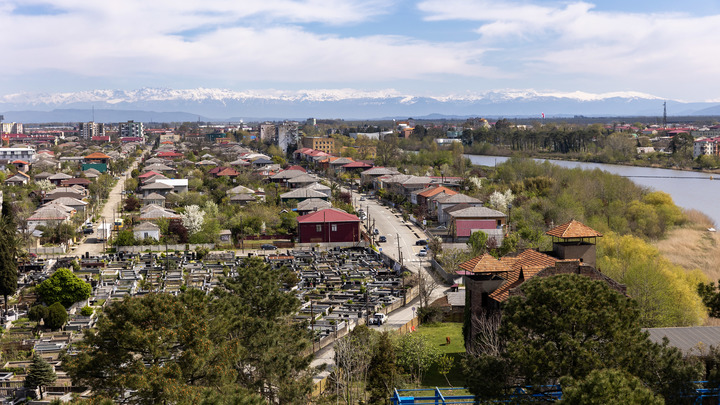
11, 128
89, 129
706, 146
131, 128
8, 155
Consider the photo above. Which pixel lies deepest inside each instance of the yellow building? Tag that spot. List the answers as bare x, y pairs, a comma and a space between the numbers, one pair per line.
326, 145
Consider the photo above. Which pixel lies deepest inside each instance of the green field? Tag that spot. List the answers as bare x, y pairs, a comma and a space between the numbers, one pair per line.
437, 333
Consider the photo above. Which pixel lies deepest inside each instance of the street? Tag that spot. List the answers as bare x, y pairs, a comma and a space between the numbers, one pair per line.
91, 245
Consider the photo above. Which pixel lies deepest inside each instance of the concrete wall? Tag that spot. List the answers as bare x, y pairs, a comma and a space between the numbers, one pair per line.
161, 248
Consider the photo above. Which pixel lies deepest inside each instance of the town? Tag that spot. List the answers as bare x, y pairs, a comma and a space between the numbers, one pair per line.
349, 229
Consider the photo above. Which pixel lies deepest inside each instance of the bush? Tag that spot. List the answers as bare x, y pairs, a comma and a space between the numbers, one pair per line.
86, 311
37, 313
56, 317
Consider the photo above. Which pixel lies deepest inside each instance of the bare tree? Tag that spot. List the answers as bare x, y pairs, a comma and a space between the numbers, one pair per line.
484, 335
426, 286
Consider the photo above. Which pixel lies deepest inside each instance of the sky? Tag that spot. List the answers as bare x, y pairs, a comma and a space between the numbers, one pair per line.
666, 48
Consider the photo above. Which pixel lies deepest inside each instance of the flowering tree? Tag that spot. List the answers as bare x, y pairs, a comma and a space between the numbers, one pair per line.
500, 201
193, 218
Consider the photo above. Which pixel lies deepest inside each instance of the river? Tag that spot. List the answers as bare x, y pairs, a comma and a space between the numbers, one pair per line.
693, 190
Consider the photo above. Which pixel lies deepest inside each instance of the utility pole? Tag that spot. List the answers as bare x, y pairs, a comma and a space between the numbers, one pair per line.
399, 253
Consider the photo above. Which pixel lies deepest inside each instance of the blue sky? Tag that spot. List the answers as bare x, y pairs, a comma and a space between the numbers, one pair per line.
418, 47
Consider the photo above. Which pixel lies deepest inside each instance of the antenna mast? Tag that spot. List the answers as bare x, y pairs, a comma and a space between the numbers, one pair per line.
664, 114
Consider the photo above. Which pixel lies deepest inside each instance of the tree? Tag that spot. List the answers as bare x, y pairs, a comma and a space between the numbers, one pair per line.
64, 287
38, 313
416, 354
267, 349
382, 372
193, 218
56, 316
152, 349
608, 386
681, 142
125, 237
132, 203
9, 249
570, 325
478, 242
177, 231
40, 374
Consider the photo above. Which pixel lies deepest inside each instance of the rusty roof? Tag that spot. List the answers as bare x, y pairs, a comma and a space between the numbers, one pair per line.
573, 229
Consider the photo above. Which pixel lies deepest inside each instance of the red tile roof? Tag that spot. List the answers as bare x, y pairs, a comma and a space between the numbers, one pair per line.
296, 167
437, 190
20, 162
97, 155
327, 215
573, 229
357, 164
228, 171
148, 174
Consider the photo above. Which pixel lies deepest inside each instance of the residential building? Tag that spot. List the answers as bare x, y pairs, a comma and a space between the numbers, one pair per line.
88, 130
132, 129
326, 145
328, 226
147, 230
8, 155
490, 281
11, 128
268, 132
706, 146
468, 220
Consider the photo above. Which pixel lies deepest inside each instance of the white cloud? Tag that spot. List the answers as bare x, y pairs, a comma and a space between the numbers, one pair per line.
667, 49
229, 40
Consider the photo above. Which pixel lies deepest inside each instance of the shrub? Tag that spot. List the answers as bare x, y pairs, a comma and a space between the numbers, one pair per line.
56, 317
86, 311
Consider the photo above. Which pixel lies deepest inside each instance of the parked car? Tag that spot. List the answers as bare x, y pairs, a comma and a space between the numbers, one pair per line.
382, 239
376, 231
268, 246
421, 242
362, 198
423, 253
378, 319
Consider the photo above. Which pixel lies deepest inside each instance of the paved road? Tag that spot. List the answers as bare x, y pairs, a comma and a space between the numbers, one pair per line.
91, 244
390, 224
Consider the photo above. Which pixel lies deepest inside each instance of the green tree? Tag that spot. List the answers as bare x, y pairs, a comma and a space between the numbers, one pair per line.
152, 349
382, 373
64, 287
38, 313
9, 247
608, 386
267, 349
124, 238
415, 354
56, 316
570, 325
478, 243
40, 374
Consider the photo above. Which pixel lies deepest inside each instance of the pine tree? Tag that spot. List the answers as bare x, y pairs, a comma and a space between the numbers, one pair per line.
40, 374
383, 371
9, 246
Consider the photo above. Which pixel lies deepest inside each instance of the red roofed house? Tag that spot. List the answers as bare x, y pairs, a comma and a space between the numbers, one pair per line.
227, 172
328, 225
169, 155
490, 281
21, 165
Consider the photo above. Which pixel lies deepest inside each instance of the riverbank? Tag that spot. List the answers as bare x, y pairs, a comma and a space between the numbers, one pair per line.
692, 246
596, 159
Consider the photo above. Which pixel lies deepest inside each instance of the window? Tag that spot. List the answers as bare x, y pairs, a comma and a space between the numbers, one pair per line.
333, 227
318, 228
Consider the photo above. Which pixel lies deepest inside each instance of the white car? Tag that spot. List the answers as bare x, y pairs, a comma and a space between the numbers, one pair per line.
423, 253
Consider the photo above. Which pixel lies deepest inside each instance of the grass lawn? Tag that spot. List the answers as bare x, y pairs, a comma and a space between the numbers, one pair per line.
436, 334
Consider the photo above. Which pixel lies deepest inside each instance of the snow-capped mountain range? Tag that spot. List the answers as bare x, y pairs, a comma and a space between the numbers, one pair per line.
156, 104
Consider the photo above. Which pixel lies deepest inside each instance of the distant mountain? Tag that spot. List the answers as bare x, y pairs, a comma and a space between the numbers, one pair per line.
163, 105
